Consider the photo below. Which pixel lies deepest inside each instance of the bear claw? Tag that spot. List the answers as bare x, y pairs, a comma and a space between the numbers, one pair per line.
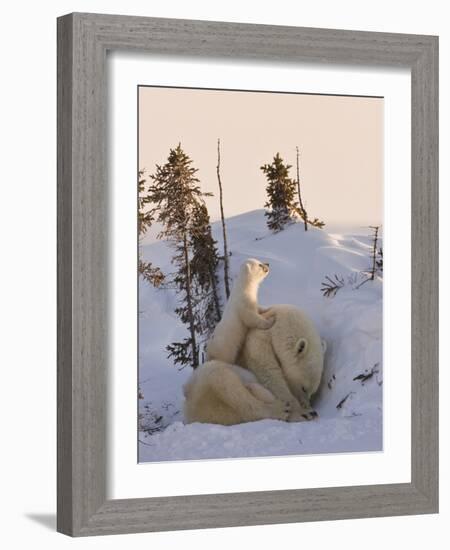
310, 415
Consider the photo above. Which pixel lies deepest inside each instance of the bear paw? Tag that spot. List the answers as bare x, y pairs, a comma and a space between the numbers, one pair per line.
268, 322
303, 415
280, 410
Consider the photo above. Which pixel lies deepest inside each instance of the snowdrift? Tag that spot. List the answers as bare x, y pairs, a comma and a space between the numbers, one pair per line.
349, 402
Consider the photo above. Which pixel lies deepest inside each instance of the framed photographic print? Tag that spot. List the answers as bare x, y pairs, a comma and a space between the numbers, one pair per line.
203, 274
247, 274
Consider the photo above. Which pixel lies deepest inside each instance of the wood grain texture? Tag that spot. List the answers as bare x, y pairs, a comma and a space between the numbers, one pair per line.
64, 295
424, 276
82, 264
83, 40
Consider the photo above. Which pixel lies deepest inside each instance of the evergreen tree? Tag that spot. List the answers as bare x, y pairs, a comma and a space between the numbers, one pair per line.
281, 190
176, 194
186, 352
204, 262
148, 272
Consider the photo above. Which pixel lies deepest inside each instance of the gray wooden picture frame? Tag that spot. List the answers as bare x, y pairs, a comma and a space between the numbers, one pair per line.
83, 41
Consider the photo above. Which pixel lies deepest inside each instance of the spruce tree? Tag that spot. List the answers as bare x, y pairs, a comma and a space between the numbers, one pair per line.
147, 270
175, 193
204, 263
186, 352
281, 190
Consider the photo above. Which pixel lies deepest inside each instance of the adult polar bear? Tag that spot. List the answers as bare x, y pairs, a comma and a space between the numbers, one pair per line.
288, 359
221, 393
282, 369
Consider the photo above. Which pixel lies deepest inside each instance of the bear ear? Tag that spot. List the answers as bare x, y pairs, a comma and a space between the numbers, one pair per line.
301, 346
324, 345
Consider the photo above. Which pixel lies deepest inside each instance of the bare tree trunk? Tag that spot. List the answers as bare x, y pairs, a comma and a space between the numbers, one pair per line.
374, 251
302, 208
215, 294
195, 362
225, 245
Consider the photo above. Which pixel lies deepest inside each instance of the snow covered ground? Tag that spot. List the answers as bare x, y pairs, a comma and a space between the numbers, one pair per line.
350, 411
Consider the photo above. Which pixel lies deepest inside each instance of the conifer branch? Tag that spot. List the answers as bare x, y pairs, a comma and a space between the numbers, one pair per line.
151, 274
330, 286
374, 251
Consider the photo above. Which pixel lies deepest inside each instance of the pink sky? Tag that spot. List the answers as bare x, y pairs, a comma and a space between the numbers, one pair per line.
340, 141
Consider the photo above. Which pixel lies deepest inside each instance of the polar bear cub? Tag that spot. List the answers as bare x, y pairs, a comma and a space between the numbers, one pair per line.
241, 313
220, 393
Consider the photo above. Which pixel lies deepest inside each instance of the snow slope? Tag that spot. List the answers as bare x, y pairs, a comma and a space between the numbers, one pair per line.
350, 411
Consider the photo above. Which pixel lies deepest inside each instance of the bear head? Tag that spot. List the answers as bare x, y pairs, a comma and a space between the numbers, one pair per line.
254, 269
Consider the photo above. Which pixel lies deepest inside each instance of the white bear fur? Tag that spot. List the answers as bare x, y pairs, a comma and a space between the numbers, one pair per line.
241, 314
287, 359
283, 368
220, 393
